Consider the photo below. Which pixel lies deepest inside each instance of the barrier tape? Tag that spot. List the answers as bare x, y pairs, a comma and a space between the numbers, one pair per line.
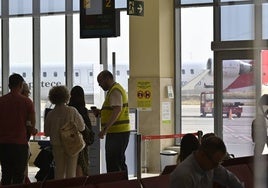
147, 137
40, 134
155, 137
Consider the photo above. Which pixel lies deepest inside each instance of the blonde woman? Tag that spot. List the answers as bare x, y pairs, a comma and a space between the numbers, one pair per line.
56, 118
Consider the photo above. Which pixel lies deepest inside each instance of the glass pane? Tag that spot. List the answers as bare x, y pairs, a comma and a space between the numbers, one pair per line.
237, 22
265, 21
76, 5
87, 63
120, 4
196, 71
120, 45
21, 48
52, 55
185, 2
52, 6
238, 106
20, 7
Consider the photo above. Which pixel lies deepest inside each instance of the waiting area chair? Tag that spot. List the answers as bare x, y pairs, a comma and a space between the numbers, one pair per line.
123, 183
168, 169
160, 181
106, 177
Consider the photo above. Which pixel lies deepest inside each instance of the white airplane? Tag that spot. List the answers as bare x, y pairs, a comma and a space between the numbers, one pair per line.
199, 77
84, 75
196, 77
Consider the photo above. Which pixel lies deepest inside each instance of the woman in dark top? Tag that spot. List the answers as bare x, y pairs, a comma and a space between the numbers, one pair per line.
77, 100
189, 143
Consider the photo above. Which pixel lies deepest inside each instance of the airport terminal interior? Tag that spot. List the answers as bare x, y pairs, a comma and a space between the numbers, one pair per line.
189, 66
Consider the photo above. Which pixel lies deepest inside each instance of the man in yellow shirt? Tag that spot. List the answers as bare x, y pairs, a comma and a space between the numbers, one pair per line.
114, 122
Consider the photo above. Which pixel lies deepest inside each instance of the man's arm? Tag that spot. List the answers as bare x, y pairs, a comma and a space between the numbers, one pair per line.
226, 178
111, 121
116, 103
30, 125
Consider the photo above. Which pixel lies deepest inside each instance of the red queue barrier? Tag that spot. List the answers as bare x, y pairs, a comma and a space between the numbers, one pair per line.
146, 138
199, 134
40, 134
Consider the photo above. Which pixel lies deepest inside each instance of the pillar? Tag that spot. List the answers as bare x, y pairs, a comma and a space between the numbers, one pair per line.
151, 76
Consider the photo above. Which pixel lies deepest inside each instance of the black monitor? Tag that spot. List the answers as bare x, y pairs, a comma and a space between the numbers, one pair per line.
102, 25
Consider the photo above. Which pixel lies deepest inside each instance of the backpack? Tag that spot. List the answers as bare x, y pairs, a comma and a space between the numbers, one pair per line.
88, 135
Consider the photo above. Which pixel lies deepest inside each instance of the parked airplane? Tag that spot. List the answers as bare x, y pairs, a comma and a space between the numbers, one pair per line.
237, 76
84, 75
195, 77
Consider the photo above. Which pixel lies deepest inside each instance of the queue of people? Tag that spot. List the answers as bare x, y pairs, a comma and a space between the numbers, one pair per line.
199, 163
17, 111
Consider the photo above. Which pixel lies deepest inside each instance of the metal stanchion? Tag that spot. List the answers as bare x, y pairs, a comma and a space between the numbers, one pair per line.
138, 156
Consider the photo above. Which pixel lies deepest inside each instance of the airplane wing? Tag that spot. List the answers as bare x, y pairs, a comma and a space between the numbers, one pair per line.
191, 84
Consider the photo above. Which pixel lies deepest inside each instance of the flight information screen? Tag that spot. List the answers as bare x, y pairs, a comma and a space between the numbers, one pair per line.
102, 25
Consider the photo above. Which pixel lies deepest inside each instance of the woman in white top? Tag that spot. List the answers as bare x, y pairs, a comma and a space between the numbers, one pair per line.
55, 119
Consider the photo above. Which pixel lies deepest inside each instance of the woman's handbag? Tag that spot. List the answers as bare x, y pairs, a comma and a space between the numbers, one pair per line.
88, 135
71, 138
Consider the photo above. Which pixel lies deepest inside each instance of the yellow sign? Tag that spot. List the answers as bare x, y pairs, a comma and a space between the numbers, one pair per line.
144, 95
87, 4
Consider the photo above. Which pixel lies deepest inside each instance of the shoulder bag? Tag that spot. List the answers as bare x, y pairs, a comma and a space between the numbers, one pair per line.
71, 138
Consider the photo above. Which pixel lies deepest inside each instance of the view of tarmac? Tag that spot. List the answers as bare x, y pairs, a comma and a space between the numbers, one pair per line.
236, 131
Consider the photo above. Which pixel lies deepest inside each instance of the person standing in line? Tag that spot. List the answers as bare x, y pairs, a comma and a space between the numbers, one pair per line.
77, 100
15, 110
259, 126
55, 119
26, 92
114, 122
202, 168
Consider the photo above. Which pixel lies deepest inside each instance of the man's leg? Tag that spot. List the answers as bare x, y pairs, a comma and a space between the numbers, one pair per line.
20, 161
115, 147
5, 165
13, 161
124, 144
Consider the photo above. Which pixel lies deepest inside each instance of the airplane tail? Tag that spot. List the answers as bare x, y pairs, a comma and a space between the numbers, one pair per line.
244, 80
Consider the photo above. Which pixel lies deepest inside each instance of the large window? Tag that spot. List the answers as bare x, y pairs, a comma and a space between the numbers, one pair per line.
238, 105
227, 74
237, 22
265, 21
196, 67
21, 48
119, 47
24, 33
86, 64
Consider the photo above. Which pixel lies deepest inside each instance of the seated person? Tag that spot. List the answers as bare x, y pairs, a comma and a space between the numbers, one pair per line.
202, 168
205, 136
189, 143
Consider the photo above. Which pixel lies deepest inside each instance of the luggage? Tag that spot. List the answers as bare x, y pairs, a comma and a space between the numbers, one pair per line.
44, 161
